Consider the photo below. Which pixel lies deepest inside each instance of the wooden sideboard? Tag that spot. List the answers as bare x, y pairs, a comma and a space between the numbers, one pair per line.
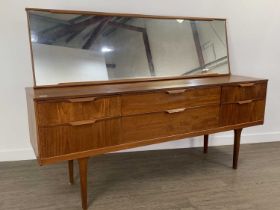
76, 122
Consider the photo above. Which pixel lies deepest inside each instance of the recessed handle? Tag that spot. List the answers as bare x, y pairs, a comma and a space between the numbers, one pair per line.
245, 102
83, 122
175, 91
171, 111
76, 100
246, 85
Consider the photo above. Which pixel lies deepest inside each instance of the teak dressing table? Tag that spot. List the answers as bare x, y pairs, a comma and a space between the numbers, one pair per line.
76, 120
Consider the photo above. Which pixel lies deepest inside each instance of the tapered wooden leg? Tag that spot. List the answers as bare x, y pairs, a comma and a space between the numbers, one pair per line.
237, 135
71, 171
205, 149
83, 166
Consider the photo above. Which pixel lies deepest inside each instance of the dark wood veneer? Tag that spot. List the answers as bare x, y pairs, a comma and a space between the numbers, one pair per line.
161, 124
169, 99
61, 92
78, 109
242, 112
67, 139
243, 91
68, 123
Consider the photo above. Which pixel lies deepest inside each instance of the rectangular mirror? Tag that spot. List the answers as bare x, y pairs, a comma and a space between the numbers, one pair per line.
69, 47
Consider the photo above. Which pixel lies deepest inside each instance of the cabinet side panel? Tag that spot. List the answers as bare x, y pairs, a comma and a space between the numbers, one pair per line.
32, 120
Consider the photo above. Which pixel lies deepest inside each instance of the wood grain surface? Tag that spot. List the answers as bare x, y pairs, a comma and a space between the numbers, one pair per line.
181, 179
59, 92
166, 100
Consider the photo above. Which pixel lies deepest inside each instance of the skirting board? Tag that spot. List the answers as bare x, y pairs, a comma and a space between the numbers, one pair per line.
214, 140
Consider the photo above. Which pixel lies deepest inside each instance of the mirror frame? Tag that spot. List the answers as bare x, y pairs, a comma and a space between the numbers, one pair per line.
117, 81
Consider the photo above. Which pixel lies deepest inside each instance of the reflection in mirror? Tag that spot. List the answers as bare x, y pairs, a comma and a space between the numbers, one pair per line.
78, 48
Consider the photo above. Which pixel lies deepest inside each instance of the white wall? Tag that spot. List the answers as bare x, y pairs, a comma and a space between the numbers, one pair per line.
253, 28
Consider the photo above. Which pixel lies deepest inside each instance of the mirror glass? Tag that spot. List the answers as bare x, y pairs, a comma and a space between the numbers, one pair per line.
80, 48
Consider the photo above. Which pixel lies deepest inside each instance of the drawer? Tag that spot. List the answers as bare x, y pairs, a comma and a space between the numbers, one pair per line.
243, 91
168, 123
69, 110
242, 112
66, 139
170, 99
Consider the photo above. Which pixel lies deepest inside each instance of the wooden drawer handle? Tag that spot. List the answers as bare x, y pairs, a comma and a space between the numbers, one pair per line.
247, 85
175, 91
171, 111
76, 100
245, 102
83, 122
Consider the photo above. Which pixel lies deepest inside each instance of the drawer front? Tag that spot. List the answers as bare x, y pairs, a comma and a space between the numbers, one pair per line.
59, 112
64, 139
164, 100
243, 91
172, 122
242, 112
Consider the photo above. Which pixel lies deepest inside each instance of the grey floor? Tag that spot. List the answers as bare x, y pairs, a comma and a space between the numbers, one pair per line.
183, 179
